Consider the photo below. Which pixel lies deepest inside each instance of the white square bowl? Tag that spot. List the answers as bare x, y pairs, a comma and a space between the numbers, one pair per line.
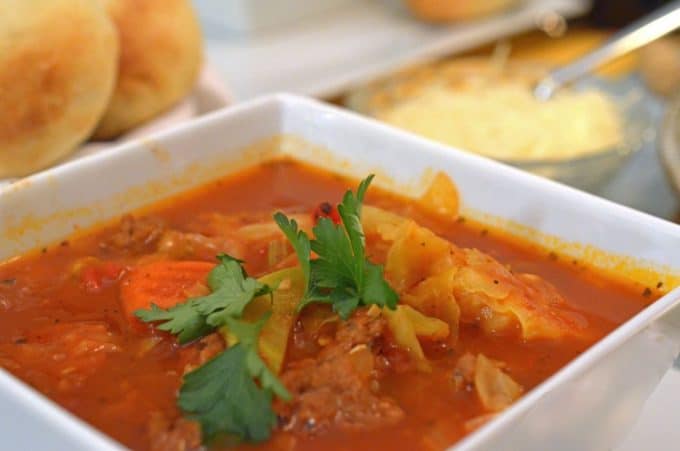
589, 404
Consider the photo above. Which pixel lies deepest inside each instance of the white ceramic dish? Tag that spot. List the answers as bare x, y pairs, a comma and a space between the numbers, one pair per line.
590, 404
358, 41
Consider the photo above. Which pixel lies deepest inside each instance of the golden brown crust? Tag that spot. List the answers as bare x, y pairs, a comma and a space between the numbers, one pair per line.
660, 65
160, 59
453, 10
58, 61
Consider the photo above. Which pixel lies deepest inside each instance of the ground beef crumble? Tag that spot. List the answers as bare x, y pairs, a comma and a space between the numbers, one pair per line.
339, 388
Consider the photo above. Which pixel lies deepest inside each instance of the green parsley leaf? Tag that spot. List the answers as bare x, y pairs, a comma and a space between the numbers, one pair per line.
344, 302
336, 265
247, 334
182, 320
341, 275
300, 242
376, 290
350, 212
222, 395
232, 290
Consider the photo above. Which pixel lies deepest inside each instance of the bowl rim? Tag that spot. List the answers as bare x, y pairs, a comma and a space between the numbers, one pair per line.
592, 157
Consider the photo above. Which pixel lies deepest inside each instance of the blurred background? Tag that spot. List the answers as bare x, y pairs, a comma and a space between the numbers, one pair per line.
457, 71
360, 53
613, 13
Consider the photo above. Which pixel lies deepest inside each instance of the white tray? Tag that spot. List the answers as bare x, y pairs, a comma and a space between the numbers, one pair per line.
352, 44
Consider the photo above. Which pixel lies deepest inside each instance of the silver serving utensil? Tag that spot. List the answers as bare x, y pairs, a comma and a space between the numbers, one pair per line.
639, 33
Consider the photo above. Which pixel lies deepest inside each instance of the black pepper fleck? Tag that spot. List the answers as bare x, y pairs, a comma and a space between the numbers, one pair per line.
64, 243
8, 281
659, 285
647, 292
326, 208
484, 232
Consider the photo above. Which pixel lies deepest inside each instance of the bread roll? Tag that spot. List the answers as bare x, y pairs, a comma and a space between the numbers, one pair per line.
160, 57
660, 65
455, 10
58, 62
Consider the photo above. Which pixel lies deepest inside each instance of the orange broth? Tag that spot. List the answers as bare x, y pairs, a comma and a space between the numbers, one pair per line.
37, 293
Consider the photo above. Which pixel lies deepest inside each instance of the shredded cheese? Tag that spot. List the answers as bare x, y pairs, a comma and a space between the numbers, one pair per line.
503, 120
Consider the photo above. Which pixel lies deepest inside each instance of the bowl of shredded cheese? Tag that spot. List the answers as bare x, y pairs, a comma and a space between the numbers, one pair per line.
579, 137
669, 143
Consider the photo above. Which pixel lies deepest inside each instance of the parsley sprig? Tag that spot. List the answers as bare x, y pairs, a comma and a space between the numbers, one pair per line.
232, 393
341, 275
223, 395
231, 290
301, 245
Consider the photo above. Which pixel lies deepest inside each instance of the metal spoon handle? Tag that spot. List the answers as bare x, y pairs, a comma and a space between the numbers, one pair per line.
641, 32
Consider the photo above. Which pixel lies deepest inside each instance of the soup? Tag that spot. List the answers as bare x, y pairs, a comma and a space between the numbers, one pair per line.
282, 343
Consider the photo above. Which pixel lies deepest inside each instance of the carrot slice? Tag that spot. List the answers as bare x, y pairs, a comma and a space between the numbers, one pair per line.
164, 283
97, 276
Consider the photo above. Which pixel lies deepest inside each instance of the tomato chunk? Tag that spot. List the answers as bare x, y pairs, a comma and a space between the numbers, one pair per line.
97, 276
326, 210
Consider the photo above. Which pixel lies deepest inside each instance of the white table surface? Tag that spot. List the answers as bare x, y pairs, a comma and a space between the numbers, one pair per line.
351, 43
658, 428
